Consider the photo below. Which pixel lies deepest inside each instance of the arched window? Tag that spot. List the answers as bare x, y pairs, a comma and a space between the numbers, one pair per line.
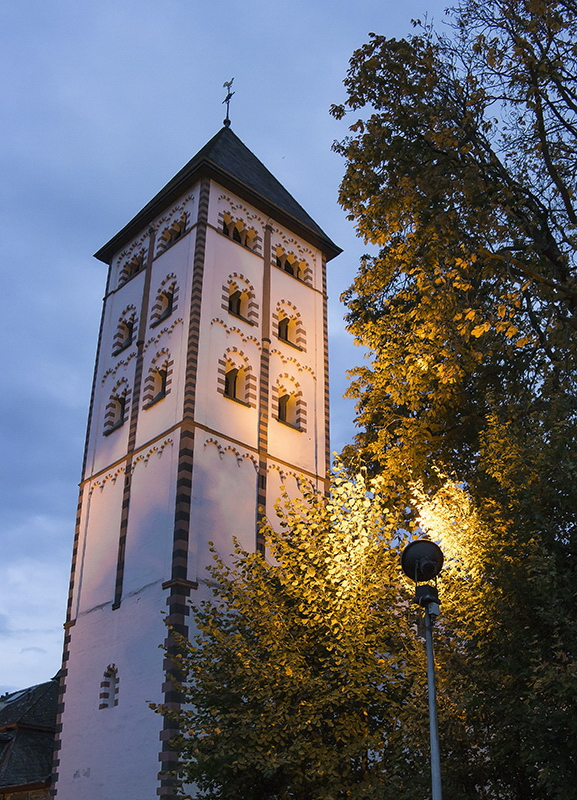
173, 233
124, 336
116, 419
287, 324
165, 303
287, 409
239, 232
117, 408
109, 688
284, 408
158, 380
232, 379
235, 378
238, 298
132, 266
119, 411
160, 376
283, 329
235, 302
289, 264
288, 403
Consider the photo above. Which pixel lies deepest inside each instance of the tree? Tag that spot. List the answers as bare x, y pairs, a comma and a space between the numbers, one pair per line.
462, 172
305, 679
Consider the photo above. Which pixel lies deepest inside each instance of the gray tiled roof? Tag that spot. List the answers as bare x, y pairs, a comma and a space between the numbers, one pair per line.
226, 159
27, 720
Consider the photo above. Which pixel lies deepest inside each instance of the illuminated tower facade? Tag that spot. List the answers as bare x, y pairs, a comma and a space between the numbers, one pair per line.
210, 391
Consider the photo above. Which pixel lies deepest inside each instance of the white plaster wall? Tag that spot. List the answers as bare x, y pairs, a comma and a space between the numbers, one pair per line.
112, 753
150, 528
98, 543
220, 331
105, 450
134, 248
171, 334
224, 502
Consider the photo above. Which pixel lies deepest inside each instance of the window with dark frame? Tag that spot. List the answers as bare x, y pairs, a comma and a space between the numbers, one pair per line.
160, 384
166, 299
283, 407
230, 383
283, 329
235, 303
127, 332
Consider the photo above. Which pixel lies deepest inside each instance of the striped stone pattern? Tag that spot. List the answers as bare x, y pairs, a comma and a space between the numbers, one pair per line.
118, 343
300, 338
149, 393
172, 233
301, 406
132, 267
326, 369
179, 586
239, 283
60, 707
69, 621
195, 301
307, 276
167, 288
246, 385
121, 390
262, 443
109, 688
134, 409
253, 242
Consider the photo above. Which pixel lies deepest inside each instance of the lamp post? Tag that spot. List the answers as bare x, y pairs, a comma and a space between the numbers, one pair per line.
422, 561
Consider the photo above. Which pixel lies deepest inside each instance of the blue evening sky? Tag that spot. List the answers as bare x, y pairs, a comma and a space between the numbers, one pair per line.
102, 103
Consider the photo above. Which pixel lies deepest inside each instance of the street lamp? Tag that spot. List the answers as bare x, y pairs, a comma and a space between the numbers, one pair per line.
422, 561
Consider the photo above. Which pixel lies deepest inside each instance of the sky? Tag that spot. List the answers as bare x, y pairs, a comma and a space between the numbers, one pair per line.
102, 103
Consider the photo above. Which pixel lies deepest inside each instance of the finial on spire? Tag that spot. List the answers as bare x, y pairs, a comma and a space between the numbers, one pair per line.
227, 85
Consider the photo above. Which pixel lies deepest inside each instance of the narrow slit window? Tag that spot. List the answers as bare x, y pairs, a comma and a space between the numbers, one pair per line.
283, 329
116, 414
126, 334
231, 383
235, 303
166, 303
283, 407
160, 384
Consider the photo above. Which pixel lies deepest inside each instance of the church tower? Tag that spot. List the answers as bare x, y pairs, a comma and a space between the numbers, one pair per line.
210, 392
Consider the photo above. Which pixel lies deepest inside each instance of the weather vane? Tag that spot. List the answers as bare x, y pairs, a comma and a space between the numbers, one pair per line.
226, 85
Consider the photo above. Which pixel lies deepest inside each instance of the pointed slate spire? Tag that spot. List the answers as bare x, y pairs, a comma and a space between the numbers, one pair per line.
229, 162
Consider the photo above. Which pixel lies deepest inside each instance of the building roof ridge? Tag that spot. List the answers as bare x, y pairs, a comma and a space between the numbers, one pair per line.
229, 161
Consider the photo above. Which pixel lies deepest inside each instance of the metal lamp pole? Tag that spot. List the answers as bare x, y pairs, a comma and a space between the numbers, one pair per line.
422, 560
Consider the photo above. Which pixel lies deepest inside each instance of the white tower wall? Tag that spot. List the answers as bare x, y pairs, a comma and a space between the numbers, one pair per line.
173, 463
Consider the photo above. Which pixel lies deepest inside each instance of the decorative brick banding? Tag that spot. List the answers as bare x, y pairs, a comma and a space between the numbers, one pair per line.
246, 387
166, 301
109, 688
287, 310
161, 363
286, 385
236, 282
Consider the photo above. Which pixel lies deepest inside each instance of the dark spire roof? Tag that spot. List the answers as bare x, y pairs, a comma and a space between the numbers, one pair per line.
229, 162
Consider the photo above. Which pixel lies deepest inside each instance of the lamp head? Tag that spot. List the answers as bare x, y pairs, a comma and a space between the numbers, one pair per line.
422, 560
